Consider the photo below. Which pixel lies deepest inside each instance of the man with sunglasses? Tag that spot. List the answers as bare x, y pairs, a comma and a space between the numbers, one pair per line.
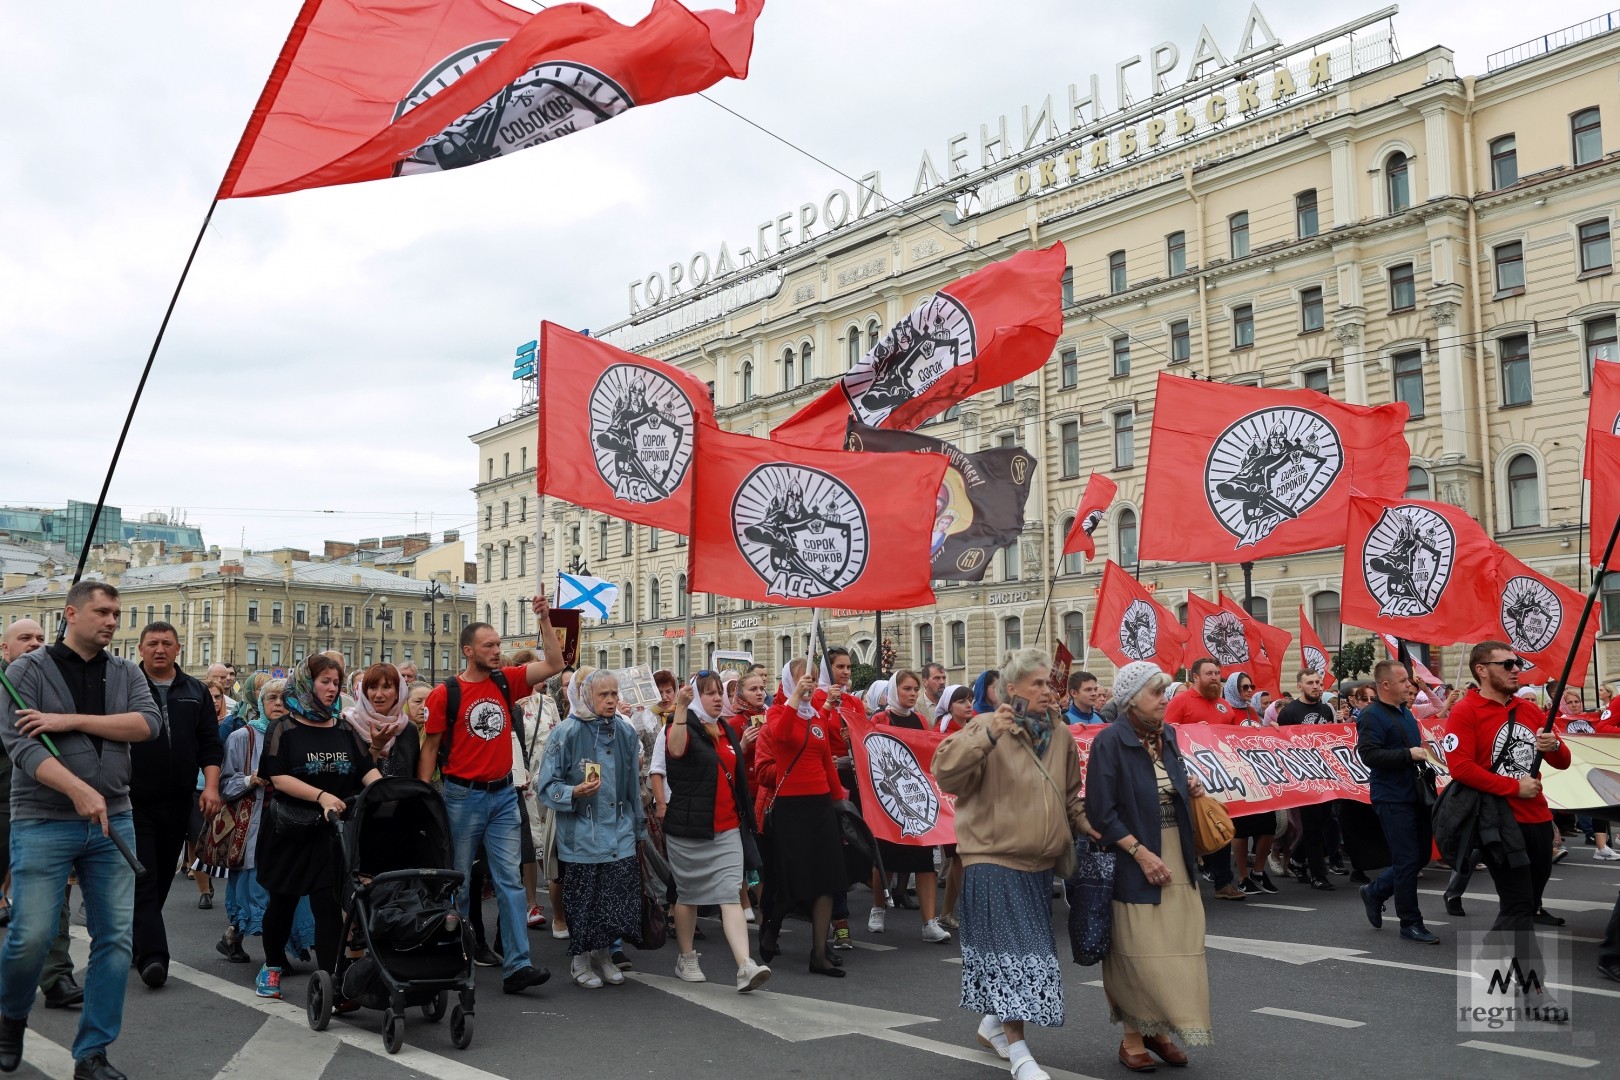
1492, 739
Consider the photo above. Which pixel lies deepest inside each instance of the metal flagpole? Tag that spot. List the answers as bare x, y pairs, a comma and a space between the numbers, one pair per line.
1557, 692
129, 418
1045, 608
691, 661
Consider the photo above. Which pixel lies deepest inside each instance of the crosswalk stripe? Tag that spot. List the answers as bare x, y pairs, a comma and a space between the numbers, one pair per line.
1314, 1018
51, 1059
1527, 1052
282, 1048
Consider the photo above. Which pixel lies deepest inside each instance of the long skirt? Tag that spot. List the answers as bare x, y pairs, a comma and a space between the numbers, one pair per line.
1154, 974
807, 854
706, 871
1009, 960
602, 902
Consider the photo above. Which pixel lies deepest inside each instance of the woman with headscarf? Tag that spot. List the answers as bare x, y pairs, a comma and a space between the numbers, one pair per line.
245, 898
805, 867
876, 697
247, 706
703, 828
1237, 691
837, 704
1016, 776
313, 761
984, 692
902, 860
951, 714
1139, 796
380, 725
590, 779
1239, 695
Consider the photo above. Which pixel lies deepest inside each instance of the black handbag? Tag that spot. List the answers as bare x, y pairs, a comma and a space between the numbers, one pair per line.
1090, 893
294, 819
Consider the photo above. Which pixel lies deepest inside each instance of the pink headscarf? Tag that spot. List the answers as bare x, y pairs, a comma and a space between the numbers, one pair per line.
365, 719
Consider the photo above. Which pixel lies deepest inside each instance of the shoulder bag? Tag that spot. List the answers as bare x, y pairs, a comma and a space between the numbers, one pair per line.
1212, 825
224, 839
1090, 893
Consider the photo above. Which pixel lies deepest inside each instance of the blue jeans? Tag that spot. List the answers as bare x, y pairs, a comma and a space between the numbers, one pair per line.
245, 901
43, 854
1407, 831
491, 818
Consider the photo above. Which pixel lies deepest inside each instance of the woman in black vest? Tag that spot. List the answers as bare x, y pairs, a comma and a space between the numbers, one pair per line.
708, 809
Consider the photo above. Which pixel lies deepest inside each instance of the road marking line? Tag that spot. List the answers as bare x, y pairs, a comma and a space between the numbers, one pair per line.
1526, 1052
952, 959
1283, 907
1315, 1018
279, 1047
1605, 865
1093, 982
51, 1059
872, 946
1546, 901
963, 1053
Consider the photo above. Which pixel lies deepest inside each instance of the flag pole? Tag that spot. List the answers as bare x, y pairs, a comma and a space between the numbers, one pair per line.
686, 635
129, 417
1045, 608
1557, 692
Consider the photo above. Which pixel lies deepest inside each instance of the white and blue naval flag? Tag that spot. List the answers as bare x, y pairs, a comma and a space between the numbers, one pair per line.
587, 595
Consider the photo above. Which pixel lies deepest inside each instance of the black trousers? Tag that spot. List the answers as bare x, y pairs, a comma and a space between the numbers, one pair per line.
278, 924
160, 835
1313, 824
1519, 888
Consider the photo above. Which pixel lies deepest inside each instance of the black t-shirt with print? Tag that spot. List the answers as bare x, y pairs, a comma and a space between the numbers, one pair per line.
327, 758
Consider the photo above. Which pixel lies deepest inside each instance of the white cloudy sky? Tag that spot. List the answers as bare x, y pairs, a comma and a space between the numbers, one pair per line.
334, 348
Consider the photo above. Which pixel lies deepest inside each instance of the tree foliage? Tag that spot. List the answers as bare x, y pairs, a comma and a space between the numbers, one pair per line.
1355, 658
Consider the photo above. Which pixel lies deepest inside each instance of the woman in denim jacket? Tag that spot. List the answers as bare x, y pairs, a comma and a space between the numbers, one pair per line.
599, 821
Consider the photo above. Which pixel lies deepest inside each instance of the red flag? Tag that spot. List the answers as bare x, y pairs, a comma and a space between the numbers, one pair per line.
367, 89
1424, 676
900, 800
1603, 410
1238, 473
1224, 632
1603, 450
1424, 571
1538, 617
1312, 655
1094, 503
1130, 625
813, 528
1268, 647
618, 431
993, 326
1062, 664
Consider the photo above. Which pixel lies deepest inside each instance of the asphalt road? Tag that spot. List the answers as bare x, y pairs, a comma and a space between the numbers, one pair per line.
1301, 986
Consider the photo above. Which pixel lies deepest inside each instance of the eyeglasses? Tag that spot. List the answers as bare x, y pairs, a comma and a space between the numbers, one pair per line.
1511, 664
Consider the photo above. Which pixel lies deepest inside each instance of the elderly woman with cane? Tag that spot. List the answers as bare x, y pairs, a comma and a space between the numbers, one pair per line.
1139, 796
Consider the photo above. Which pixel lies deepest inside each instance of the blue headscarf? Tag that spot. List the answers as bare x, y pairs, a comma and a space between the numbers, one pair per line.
981, 692
1233, 697
301, 701
260, 721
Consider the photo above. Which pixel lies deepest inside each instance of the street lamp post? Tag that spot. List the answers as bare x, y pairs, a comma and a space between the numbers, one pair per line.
325, 623
385, 620
433, 594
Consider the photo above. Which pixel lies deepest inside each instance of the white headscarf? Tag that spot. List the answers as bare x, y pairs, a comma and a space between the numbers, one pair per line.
943, 706
697, 701
891, 700
876, 696
805, 709
728, 679
365, 719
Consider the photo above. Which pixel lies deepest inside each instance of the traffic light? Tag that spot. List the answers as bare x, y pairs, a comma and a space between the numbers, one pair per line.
523, 366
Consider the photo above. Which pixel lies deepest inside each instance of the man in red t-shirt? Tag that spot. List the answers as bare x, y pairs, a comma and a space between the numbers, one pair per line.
1201, 703
477, 774
1492, 738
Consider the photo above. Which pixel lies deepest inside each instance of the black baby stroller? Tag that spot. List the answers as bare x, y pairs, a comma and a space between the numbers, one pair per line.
399, 907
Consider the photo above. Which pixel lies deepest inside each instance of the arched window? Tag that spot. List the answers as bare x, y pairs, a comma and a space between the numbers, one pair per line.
925, 644
1181, 613
601, 538
787, 369
629, 597
874, 334
1397, 182
1125, 532
506, 620
1325, 618
681, 599
1071, 562
1417, 483
655, 657
1012, 633
488, 617
1074, 633
807, 369
1524, 492
748, 380
852, 347
629, 537
654, 601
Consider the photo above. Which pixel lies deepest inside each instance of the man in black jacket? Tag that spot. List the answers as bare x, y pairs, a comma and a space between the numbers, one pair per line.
1390, 744
163, 787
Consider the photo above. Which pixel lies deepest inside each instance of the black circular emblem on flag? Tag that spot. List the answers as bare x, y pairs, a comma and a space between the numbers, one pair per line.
1139, 631
1531, 614
1316, 660
1407, 559
1092, 520
641, 432
937, 336
802, 530
1269, 467
1224, 638
903, 789
546, 102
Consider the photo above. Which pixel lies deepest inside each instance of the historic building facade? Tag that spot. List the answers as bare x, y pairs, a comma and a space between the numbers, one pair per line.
1325, 215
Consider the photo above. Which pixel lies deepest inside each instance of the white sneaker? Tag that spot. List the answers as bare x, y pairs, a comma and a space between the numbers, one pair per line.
609, 970
1606, 854
687, 969
1026, 1069
579, 968
751, 976
874, 921
559, 932
749, 916
1276, 865
935, 934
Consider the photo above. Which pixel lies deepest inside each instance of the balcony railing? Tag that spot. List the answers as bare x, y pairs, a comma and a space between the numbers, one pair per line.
1547, 43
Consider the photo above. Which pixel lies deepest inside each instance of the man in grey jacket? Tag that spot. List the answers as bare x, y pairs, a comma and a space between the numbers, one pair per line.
63, 809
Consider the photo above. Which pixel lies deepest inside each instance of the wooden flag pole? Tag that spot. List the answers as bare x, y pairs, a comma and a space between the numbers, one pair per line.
1557, 693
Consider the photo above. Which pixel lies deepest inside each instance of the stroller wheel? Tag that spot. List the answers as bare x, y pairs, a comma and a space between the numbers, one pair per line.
393, 1031
461, 1028
433, 1011
320, 1000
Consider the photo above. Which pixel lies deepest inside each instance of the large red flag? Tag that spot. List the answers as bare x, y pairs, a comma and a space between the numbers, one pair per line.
1238, 473
1224, 634
993, 326
814, 528
1538, 617
1424, 571
618, 431
1094, 503
1312, 655
1130, 625
1268, 659
900, 800
367, 89
1603, 410
1604, 451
